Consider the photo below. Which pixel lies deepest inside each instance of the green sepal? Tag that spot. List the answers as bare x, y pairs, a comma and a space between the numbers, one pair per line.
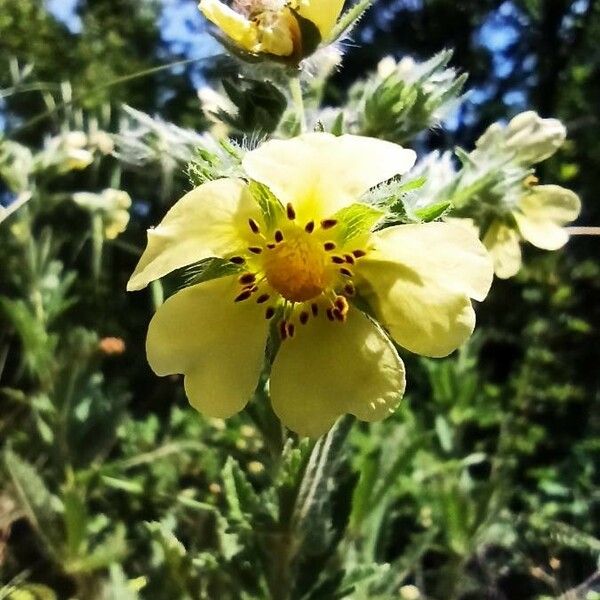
433, 212
208, 269
270, 207
356, 220
260, 105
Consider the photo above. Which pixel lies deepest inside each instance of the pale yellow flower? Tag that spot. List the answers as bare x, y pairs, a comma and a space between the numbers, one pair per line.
539, 218
112, 206
274, 27
302, 264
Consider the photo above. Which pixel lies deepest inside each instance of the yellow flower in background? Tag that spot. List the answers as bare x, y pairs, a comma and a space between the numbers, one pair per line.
274, 27
301, 266
111, 205
539, 218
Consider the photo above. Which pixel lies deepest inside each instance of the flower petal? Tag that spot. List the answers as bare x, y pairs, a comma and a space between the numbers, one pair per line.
242, 31
543, 213
323, 13
502, 243
218, 344
329, 369
211, 220
320, 173
419, 280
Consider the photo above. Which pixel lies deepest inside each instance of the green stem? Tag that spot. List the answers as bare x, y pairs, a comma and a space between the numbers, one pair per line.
296, 91
97, 245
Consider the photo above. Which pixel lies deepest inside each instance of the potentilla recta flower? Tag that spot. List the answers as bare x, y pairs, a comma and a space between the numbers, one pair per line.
539, 218
303, 263
283, 30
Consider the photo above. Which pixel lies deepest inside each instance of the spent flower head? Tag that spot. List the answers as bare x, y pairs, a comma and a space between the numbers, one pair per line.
304, 249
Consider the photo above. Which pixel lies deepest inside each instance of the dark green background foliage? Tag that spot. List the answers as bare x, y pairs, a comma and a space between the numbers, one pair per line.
482, 485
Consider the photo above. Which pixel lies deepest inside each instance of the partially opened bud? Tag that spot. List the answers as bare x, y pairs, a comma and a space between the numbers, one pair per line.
274, 29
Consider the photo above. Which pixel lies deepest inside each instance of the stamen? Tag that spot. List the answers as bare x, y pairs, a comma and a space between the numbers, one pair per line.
328, 223
291, 329
254, 226
243, 296
349, 259
278, 236
269, 312
262, 298
304, 316
314, 307
247, 278
309, 227
338, 315
237, 260
291, 213
329, 246
338, 260
341, 304
346, 272
359, 253
349, 289
255, 249
283, 329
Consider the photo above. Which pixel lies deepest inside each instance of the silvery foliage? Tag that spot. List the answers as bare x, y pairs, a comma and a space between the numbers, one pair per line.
144, 140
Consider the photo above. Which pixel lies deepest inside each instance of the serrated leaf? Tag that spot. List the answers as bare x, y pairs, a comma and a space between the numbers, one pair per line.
310, 518
112, 549
239, 493
36, 501
229, 542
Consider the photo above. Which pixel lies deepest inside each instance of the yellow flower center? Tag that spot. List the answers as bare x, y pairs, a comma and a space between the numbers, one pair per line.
300, 271
298, 268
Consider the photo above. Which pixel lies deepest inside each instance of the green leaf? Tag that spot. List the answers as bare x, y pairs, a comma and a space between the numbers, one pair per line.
31, 591
229, 541
111, 550
37, 502
75, 518
444, 433
37, 345
118, 587
356, 220
311, 518
239, 493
